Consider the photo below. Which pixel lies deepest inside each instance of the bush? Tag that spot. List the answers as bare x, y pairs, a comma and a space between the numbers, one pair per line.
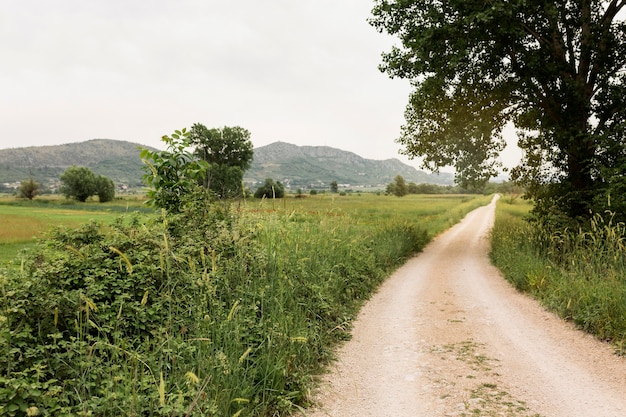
270, 189
105, 189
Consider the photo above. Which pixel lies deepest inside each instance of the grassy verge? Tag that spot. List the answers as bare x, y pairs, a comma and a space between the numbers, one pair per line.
580, 275
222, 311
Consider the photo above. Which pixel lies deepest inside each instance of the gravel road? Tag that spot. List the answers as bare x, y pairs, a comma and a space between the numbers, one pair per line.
447, 336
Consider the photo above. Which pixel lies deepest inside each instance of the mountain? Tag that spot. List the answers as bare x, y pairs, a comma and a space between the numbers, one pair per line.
115, 159
316, 166
295, 166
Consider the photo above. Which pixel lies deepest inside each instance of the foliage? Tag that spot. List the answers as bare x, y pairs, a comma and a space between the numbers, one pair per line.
334, 187
228, 152
204, 312
173, 173
29, 189
270, 189
555, 69
399, 187
78, 182
578, 273
105, 189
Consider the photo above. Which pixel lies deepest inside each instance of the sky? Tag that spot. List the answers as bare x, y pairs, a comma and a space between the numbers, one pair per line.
298, 71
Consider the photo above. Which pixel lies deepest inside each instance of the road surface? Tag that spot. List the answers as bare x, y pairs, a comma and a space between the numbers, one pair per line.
447, 336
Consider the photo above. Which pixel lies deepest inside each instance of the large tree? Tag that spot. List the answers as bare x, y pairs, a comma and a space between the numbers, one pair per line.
229, 153
78, 182
555, 69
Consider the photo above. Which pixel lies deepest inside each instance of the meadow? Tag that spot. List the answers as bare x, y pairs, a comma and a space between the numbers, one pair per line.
578, 274
222, 310
22, 221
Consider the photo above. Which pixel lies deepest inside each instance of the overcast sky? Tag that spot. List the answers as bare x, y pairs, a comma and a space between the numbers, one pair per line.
298, 71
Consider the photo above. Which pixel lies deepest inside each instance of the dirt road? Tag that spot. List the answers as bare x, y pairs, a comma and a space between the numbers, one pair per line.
447, 336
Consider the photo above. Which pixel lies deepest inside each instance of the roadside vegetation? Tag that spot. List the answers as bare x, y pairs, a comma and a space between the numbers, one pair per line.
578, 273
222, 309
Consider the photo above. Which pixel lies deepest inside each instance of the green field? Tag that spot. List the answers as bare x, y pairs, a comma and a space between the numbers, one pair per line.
222, 310
21, 222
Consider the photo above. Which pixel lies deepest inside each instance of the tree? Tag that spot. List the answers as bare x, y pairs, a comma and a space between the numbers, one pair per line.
334, 187
78, 182
228, 152
105, 188
270, 189
398, 187
29, 189
174, 173
555, 69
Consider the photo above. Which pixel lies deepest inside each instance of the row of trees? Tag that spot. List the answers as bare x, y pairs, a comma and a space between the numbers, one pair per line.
399, 187
77, 182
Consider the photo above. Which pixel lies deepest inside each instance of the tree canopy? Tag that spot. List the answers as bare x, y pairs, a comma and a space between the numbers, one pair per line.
270, 189
105, 188
398, 187
81, 183
228, 152
78, 182
555, 69
29, 189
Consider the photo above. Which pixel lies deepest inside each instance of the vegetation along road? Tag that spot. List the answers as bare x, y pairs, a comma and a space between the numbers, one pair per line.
447, 336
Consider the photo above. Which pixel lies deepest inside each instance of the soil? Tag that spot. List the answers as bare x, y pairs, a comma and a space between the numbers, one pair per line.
446, 335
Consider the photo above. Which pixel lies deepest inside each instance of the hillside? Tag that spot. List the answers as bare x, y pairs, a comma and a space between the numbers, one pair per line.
118, 160
316, 166
296, 166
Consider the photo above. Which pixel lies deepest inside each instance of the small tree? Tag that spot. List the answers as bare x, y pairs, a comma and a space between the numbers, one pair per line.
270, 189
28, 189
172, 174
105, 188
398, 187
334, 187
78, 182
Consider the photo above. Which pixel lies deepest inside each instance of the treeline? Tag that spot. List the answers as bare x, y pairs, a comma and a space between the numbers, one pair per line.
400, 188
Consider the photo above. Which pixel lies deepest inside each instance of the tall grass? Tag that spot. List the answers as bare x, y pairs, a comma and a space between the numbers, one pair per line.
580, 274
222, 311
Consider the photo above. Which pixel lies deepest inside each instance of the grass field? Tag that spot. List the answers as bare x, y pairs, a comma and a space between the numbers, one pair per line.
21, 222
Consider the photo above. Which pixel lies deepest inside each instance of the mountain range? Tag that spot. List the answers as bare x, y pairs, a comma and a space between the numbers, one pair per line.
295, 166
317, 166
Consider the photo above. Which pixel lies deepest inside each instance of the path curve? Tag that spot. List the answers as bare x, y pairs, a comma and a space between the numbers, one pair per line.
446, 336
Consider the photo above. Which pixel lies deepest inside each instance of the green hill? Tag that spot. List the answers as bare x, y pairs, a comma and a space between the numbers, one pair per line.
317, 166
295, 166
118, 160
